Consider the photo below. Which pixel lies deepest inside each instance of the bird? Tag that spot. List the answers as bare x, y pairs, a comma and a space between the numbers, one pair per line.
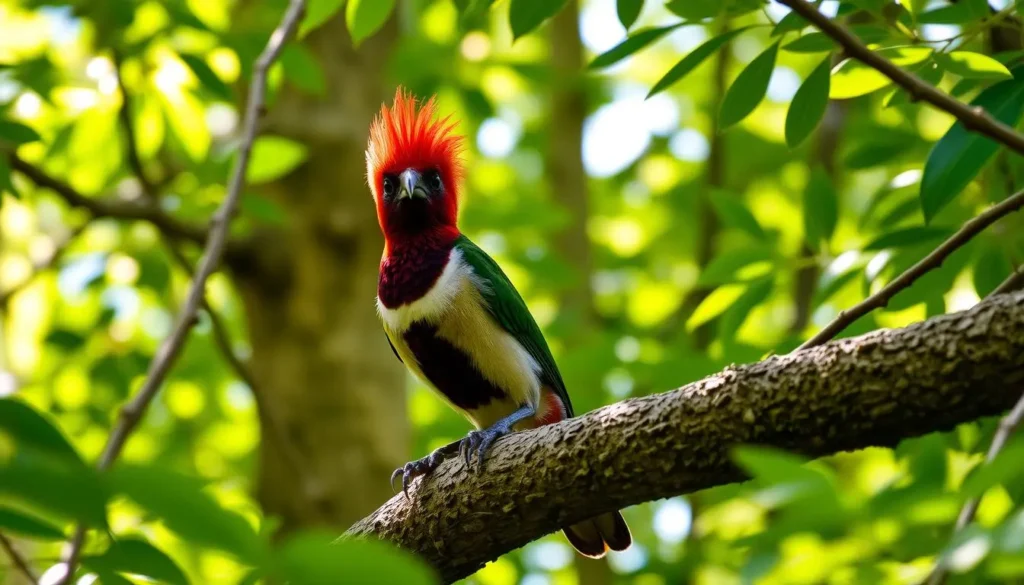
449, 312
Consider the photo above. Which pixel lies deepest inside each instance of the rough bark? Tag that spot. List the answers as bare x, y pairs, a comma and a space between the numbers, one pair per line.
873, 390
330, 393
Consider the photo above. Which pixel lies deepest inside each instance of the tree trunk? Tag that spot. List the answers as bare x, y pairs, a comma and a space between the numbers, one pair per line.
330, 393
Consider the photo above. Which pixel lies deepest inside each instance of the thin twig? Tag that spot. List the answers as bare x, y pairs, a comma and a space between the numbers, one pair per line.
115, 209
1007, 425
971, 228
131, 142
1012, 282
19, 561
974, 119
216, 242
47, 263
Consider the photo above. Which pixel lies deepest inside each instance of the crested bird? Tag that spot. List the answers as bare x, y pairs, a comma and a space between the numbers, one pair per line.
451, 315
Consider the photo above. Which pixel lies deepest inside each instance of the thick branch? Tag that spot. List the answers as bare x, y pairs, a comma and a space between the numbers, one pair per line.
971, 228
873, 390
973, 118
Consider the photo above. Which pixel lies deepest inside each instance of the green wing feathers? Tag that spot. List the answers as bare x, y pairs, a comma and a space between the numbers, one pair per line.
511, 312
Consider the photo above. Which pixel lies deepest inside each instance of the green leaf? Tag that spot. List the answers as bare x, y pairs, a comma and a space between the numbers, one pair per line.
260, 208
18, 523
730, 209
959, 13
317, 13
960, 154
315, 559
908, 237
851, 78
818, 42
728, 267
187, 510
789, 23
973, 65
526, 15
696, 10
1004, 469
207, 78
930, 73
303, 70
41, 480
6, 184
65, 339
821, 209
990, 269
273, 157
809, 104
632, 44
628, 11
773, 466
365, 17
26, 426
17, 133
693, 59
757, 293
749, 88
136, 556
714, 304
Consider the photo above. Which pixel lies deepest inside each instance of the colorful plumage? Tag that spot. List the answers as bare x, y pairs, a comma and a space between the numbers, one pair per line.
450, 313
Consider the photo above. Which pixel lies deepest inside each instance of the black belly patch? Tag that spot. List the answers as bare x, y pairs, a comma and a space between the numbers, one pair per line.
449, 369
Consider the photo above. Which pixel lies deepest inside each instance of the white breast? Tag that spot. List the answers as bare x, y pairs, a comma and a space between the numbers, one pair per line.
437, 301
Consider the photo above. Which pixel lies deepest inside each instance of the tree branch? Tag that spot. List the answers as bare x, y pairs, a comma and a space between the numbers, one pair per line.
974, 119
19, 561
131, 142
141, 210
873, 390
971, 228
1012, 283
216, 242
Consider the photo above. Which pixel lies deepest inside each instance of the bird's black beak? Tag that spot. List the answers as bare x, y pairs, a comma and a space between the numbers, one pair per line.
411, 185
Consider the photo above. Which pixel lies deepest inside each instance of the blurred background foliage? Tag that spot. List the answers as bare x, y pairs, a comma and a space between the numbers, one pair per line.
657, 200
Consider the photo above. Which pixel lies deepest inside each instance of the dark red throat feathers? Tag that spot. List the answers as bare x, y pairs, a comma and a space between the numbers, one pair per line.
409, 136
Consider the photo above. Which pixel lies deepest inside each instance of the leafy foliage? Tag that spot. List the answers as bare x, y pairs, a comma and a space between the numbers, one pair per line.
765, 183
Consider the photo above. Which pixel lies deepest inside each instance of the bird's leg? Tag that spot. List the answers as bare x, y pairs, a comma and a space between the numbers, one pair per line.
414, 469
481, 440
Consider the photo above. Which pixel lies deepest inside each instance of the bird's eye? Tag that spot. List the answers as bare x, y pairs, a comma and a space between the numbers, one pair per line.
434, 181
389, 186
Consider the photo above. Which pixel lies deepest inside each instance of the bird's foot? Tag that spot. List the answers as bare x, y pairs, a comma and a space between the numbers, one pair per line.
479, 442
424, 466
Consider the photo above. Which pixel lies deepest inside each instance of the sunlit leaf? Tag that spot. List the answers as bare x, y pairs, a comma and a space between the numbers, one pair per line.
366, 17
1004, 469
726, 267
186, 509
628, 11
908, 237
693, 59
821, 209
749, 88
733, 318
819, 42
851, 78
714, 305
526, 15
790, 23
317, 13
18, 523
137, 557
930, 73
40, 479
632, 44
316, 559
973, 65
774, 466
695, 10
809, 104
960, 154
274, 157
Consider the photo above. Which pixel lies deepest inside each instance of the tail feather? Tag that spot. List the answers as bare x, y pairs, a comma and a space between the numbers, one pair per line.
595, 537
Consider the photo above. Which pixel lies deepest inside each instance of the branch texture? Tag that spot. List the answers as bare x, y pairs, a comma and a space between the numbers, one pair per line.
975, 119
873, 390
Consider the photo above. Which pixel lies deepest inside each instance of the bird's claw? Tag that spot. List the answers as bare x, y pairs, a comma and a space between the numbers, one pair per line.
479, 442
414, 469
